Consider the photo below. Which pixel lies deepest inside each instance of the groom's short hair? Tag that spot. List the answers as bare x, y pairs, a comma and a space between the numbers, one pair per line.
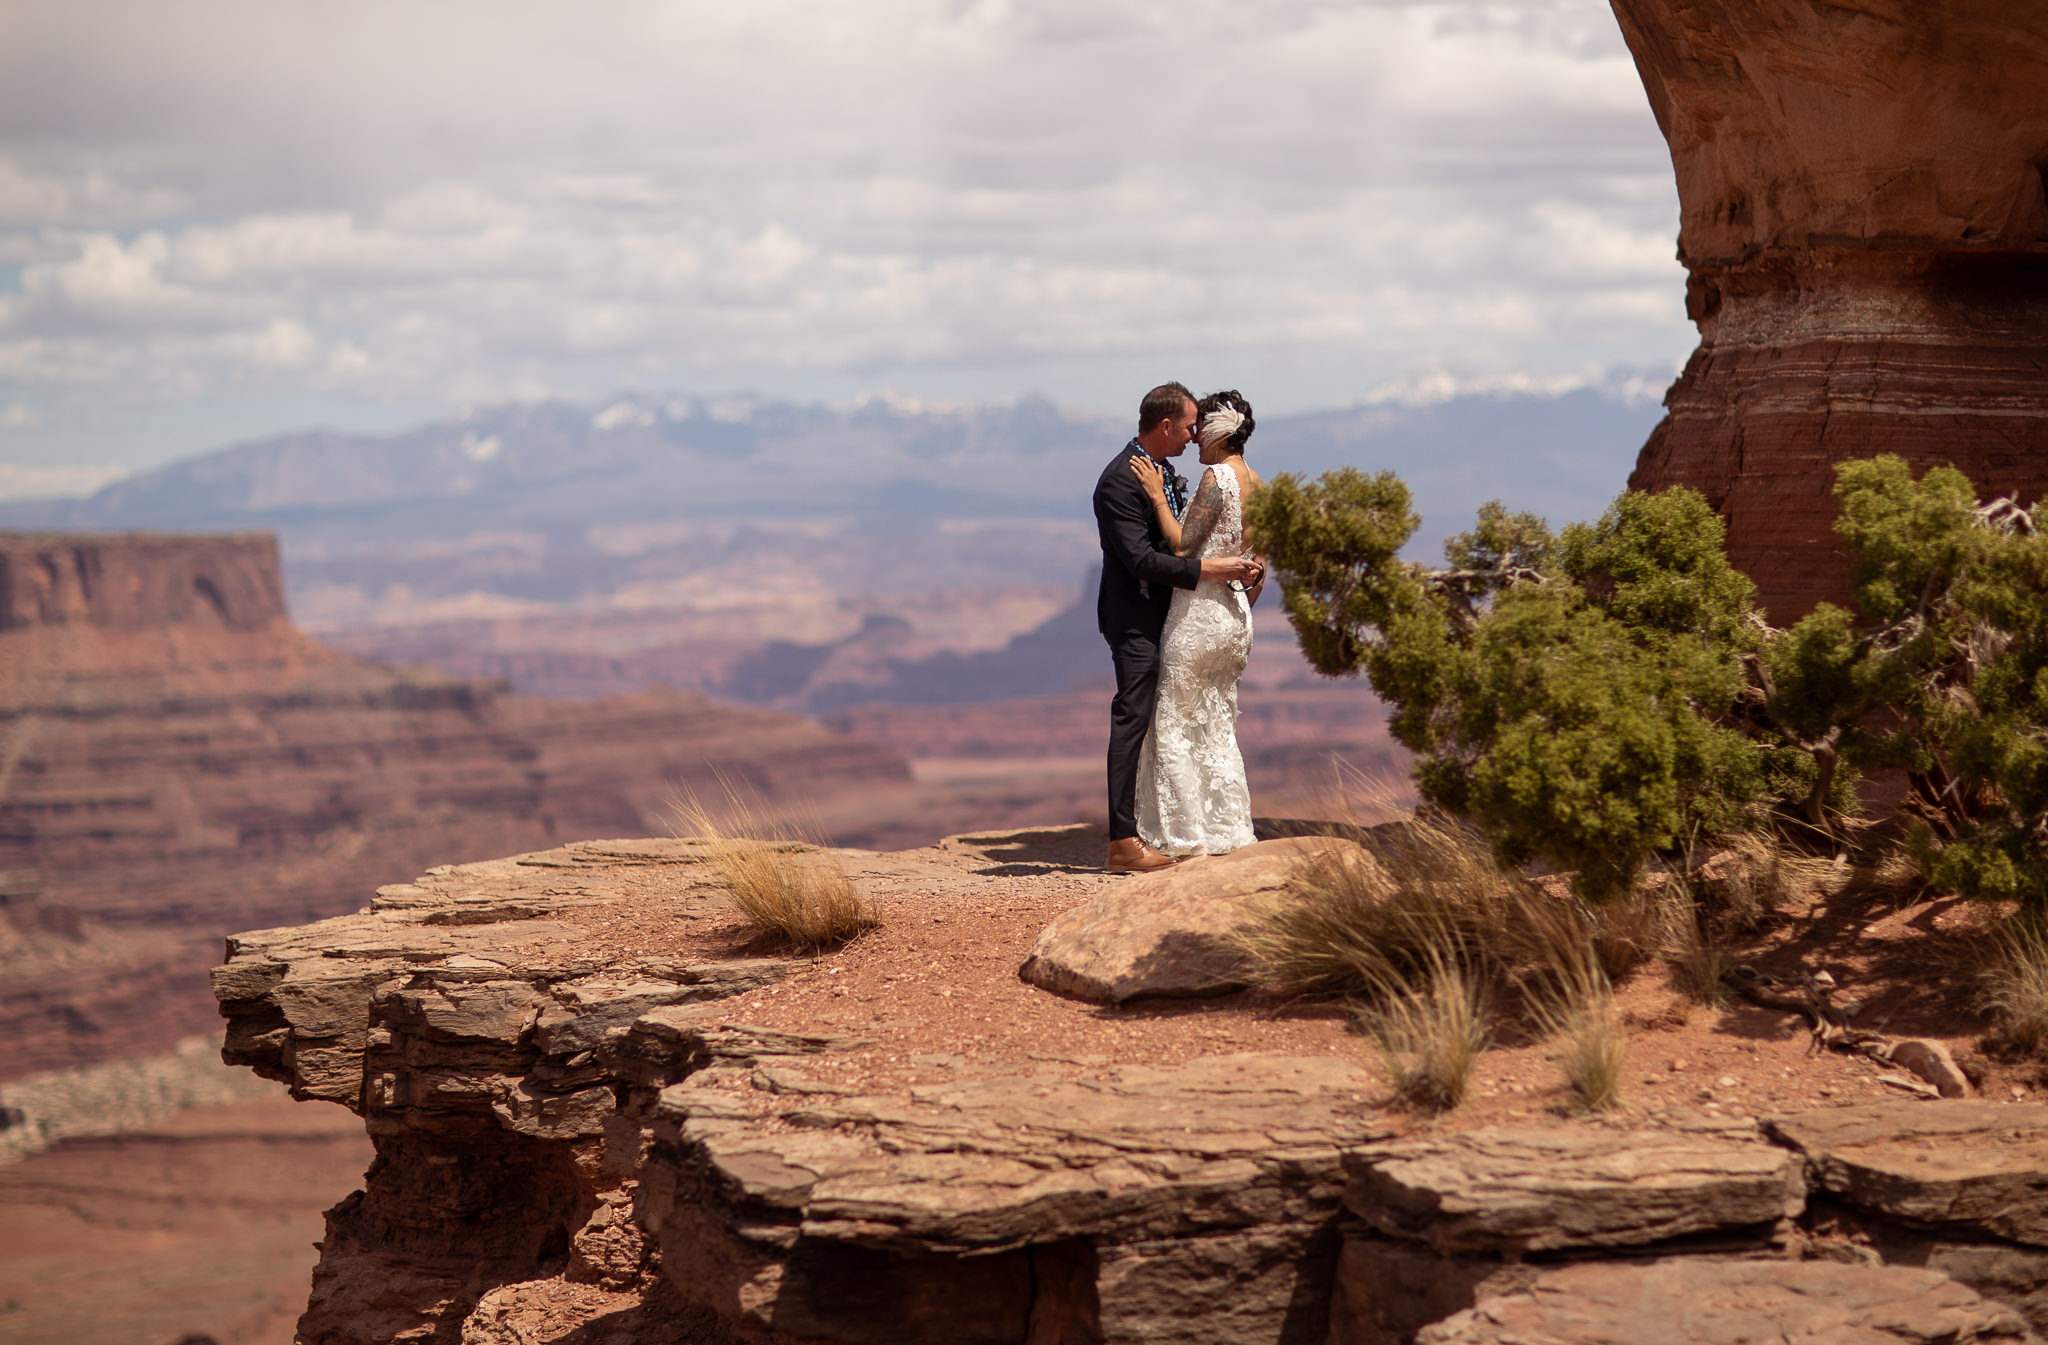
1162, 403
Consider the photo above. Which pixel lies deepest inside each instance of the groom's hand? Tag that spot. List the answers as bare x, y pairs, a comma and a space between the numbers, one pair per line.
1242, 569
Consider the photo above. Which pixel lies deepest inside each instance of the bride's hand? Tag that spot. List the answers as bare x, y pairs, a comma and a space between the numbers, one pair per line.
1150, 478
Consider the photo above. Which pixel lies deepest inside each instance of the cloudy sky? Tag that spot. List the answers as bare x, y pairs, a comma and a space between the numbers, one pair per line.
224, 218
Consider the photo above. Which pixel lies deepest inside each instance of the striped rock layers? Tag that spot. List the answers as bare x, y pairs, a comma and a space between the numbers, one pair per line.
1864, 221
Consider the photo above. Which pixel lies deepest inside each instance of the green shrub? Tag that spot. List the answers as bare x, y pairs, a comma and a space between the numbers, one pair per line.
1575, 696
1611, 693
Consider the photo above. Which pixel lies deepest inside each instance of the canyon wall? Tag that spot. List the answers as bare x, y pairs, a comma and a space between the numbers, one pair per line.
176, 761
1863, 217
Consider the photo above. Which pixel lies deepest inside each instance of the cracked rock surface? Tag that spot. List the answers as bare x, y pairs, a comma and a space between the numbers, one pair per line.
1701, 1302
582, 1138
1541, 1189
1963, 1165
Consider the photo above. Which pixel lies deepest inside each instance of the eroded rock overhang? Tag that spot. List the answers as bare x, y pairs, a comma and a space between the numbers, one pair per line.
1864, 224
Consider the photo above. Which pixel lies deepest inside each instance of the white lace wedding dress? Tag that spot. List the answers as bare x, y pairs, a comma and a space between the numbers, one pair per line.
1192, 796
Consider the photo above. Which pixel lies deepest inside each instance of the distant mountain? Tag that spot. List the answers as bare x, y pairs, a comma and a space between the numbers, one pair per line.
639, 459
554, 503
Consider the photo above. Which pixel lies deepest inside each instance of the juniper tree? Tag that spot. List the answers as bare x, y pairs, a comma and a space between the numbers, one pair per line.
1603, 694
1943, 670
1576, 695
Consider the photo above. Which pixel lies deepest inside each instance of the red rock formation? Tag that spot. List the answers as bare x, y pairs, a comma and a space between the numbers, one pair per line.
99, 619
176, 761
584, 1141
1861, 186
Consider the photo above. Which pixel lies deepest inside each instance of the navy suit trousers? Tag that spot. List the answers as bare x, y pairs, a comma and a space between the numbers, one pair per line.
1130, 719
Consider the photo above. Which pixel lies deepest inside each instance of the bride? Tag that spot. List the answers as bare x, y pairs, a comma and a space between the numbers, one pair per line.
1192, 796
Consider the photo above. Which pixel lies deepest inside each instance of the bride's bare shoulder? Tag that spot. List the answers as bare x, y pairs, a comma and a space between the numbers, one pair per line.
1248, 478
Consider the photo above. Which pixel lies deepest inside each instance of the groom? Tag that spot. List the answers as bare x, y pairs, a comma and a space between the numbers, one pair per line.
1138, 578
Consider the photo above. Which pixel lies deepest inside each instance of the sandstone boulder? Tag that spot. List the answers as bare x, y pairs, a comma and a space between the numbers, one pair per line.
1961, 1164
1171, 933
1699, 1301
1516, 1190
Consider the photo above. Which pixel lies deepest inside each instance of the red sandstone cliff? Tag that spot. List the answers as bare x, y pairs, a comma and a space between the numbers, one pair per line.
93, 618
1862, 212
176, 761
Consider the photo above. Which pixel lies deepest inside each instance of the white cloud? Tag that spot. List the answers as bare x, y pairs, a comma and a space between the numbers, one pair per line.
228, 199
27, 481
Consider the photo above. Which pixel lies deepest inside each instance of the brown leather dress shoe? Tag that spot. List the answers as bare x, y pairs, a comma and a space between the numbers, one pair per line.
1131, 855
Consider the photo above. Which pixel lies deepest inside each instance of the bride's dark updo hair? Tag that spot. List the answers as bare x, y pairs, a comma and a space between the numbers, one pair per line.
1229, 399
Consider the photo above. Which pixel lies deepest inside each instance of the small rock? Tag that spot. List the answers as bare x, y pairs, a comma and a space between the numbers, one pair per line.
1727, 1081
1676, 1066
1932, 1062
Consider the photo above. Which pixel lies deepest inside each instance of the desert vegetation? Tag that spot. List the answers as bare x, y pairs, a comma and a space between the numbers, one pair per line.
1610, 704
787, 885
1612, 694
1437, 943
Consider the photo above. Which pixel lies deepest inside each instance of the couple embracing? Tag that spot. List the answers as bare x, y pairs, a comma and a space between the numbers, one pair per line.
1176, 608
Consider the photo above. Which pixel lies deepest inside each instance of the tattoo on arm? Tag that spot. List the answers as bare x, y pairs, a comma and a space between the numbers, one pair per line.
1200, 519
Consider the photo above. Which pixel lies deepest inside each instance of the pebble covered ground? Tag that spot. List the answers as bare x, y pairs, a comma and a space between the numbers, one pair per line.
933, 992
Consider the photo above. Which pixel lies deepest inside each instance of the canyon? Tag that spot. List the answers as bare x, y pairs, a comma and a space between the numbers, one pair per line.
1865, 225
176, 760
600, 1115
179, 760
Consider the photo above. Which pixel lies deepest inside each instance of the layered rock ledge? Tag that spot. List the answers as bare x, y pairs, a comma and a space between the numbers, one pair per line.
599, 1119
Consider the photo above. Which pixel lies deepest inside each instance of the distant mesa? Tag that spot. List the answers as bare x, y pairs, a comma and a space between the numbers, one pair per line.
177, 760
1863, 215
116, 617
133, 580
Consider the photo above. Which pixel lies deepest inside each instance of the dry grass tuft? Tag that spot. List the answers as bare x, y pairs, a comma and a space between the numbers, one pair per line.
1699, 964
2016, 985
1591, 1038
1904, 871
1354, 931
1769, 874
792, 891
1431, 1032
1629, 930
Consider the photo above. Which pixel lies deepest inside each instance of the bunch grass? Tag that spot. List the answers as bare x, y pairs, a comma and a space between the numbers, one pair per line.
1769, 874
775, 868
2016, 984
1430, 1032
1699, 963
1590, 1038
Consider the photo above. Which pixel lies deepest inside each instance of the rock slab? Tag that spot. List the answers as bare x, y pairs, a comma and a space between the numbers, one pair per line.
1697, 1301
1963, 1165
1171, 933
1529, 1189
1164, 1205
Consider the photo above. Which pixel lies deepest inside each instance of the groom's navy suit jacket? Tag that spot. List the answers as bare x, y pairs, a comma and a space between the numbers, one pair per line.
1138, 574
